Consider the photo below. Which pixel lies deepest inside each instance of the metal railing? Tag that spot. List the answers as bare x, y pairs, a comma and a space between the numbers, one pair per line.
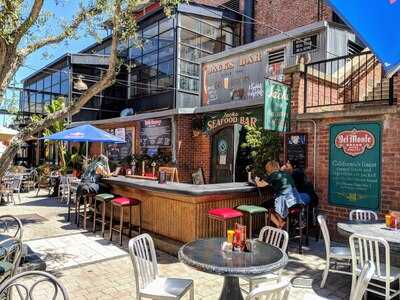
336, 83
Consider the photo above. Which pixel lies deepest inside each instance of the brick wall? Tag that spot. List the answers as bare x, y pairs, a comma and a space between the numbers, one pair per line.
192, 152
390, 190
286, 15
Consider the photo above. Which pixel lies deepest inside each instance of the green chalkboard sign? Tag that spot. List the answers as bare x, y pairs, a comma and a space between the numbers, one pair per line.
355, 165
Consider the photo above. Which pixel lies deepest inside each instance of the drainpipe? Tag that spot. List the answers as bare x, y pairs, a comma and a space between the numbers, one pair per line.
314, 150
248, 21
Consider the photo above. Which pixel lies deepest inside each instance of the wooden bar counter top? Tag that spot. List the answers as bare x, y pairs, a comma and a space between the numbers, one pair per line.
179, 210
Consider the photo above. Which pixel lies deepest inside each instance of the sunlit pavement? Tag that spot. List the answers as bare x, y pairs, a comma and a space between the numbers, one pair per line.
93, 268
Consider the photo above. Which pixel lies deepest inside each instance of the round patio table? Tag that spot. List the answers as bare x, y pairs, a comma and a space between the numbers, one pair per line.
371, 228
206, 255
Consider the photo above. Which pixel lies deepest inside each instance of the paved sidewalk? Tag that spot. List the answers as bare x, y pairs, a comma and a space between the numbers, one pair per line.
92, 268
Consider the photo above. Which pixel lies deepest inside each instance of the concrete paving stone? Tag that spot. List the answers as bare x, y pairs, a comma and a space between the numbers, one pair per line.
94, 268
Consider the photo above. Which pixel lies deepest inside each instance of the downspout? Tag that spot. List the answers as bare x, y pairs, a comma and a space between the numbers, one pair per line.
314, 149
248, 21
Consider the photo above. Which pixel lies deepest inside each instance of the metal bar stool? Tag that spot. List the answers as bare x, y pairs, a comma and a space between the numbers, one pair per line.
103, 199
224, 215
296, 212
87, 203
253, 210
123, 202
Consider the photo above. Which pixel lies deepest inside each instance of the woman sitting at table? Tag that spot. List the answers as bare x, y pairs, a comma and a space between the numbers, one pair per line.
285, 194
90, 181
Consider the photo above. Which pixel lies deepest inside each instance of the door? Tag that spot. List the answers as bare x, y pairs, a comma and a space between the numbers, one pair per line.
222, 161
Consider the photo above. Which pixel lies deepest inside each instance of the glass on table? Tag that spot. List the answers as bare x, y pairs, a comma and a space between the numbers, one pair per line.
388, 220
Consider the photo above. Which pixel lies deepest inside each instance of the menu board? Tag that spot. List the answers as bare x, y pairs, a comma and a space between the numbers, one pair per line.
155, 133
296, 148
117, 152
355, 154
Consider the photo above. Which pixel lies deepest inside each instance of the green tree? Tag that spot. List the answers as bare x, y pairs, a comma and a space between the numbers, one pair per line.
263, 146
25, 28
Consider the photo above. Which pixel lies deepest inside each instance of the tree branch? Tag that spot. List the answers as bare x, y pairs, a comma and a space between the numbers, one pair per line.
68, 31
27, 24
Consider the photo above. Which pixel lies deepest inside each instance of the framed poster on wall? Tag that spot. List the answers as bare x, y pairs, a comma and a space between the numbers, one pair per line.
355, 153
296, 148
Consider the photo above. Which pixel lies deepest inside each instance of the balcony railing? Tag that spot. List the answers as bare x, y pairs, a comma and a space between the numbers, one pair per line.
339, 83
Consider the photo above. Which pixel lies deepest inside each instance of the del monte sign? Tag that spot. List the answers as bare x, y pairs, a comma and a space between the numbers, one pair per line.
355, 142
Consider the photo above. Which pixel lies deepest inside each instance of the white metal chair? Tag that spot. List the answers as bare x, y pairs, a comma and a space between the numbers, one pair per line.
10, 257
11, 226
64, 188
336, 255
363, 215
363, 281
275, 237
15, 187
32, 284
148, 283
366, 248
278, 291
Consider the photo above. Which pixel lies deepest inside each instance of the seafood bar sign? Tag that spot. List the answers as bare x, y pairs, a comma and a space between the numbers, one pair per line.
355, 165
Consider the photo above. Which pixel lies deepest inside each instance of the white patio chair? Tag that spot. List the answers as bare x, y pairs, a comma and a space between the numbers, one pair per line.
10, 257
32, 284
15, 187
277, 291
148, 283
275, 237
363, 215
64, 188
366, 248
363, 281
336, 255
11, 226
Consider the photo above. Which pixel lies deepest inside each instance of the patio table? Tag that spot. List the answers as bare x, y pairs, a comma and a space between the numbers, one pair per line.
206, 255
371, 228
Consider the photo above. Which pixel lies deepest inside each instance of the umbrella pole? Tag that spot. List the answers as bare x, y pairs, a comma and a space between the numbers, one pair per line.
87, 150
101, 148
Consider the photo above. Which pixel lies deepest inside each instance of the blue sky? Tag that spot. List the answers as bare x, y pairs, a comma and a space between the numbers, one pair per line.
64, 9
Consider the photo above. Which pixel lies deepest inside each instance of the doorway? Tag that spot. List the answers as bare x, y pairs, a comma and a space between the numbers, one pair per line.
223, 154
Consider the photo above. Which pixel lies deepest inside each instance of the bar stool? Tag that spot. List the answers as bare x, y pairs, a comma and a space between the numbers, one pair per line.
224, 215
123, 202
87, 203
253, 210
103, 199
296, 212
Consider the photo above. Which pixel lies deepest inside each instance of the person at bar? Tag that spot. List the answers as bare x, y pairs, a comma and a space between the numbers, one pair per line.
285, 193
90, 181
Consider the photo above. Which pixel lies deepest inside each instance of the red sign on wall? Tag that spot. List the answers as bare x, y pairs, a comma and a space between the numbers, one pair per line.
354, 142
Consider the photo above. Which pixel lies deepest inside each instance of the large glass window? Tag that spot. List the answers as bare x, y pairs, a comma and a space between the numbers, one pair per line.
153, 64
199, 37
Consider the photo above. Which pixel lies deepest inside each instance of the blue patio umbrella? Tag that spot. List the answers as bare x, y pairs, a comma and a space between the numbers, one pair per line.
84, 133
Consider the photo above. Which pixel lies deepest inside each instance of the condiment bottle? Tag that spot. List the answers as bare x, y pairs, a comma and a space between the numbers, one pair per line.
230, 234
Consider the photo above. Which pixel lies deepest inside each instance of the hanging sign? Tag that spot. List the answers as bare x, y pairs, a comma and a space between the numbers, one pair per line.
277, 106
248, 117
355, 165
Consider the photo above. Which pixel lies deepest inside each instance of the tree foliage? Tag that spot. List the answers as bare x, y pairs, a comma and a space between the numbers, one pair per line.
20, 23
263, 146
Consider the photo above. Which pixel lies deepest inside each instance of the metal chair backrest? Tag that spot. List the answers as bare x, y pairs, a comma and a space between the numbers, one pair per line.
275, 237
11, 253
366, 248
16, 183
325, 233
12, 226
279, 291
363, 215
363, 281
144, 259
64, 180
30, 285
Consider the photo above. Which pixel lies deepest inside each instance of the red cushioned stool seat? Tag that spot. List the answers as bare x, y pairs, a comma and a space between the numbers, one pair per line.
123, 201
225, 213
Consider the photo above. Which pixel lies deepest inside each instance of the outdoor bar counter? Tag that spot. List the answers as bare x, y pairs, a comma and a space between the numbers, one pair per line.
179, 210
